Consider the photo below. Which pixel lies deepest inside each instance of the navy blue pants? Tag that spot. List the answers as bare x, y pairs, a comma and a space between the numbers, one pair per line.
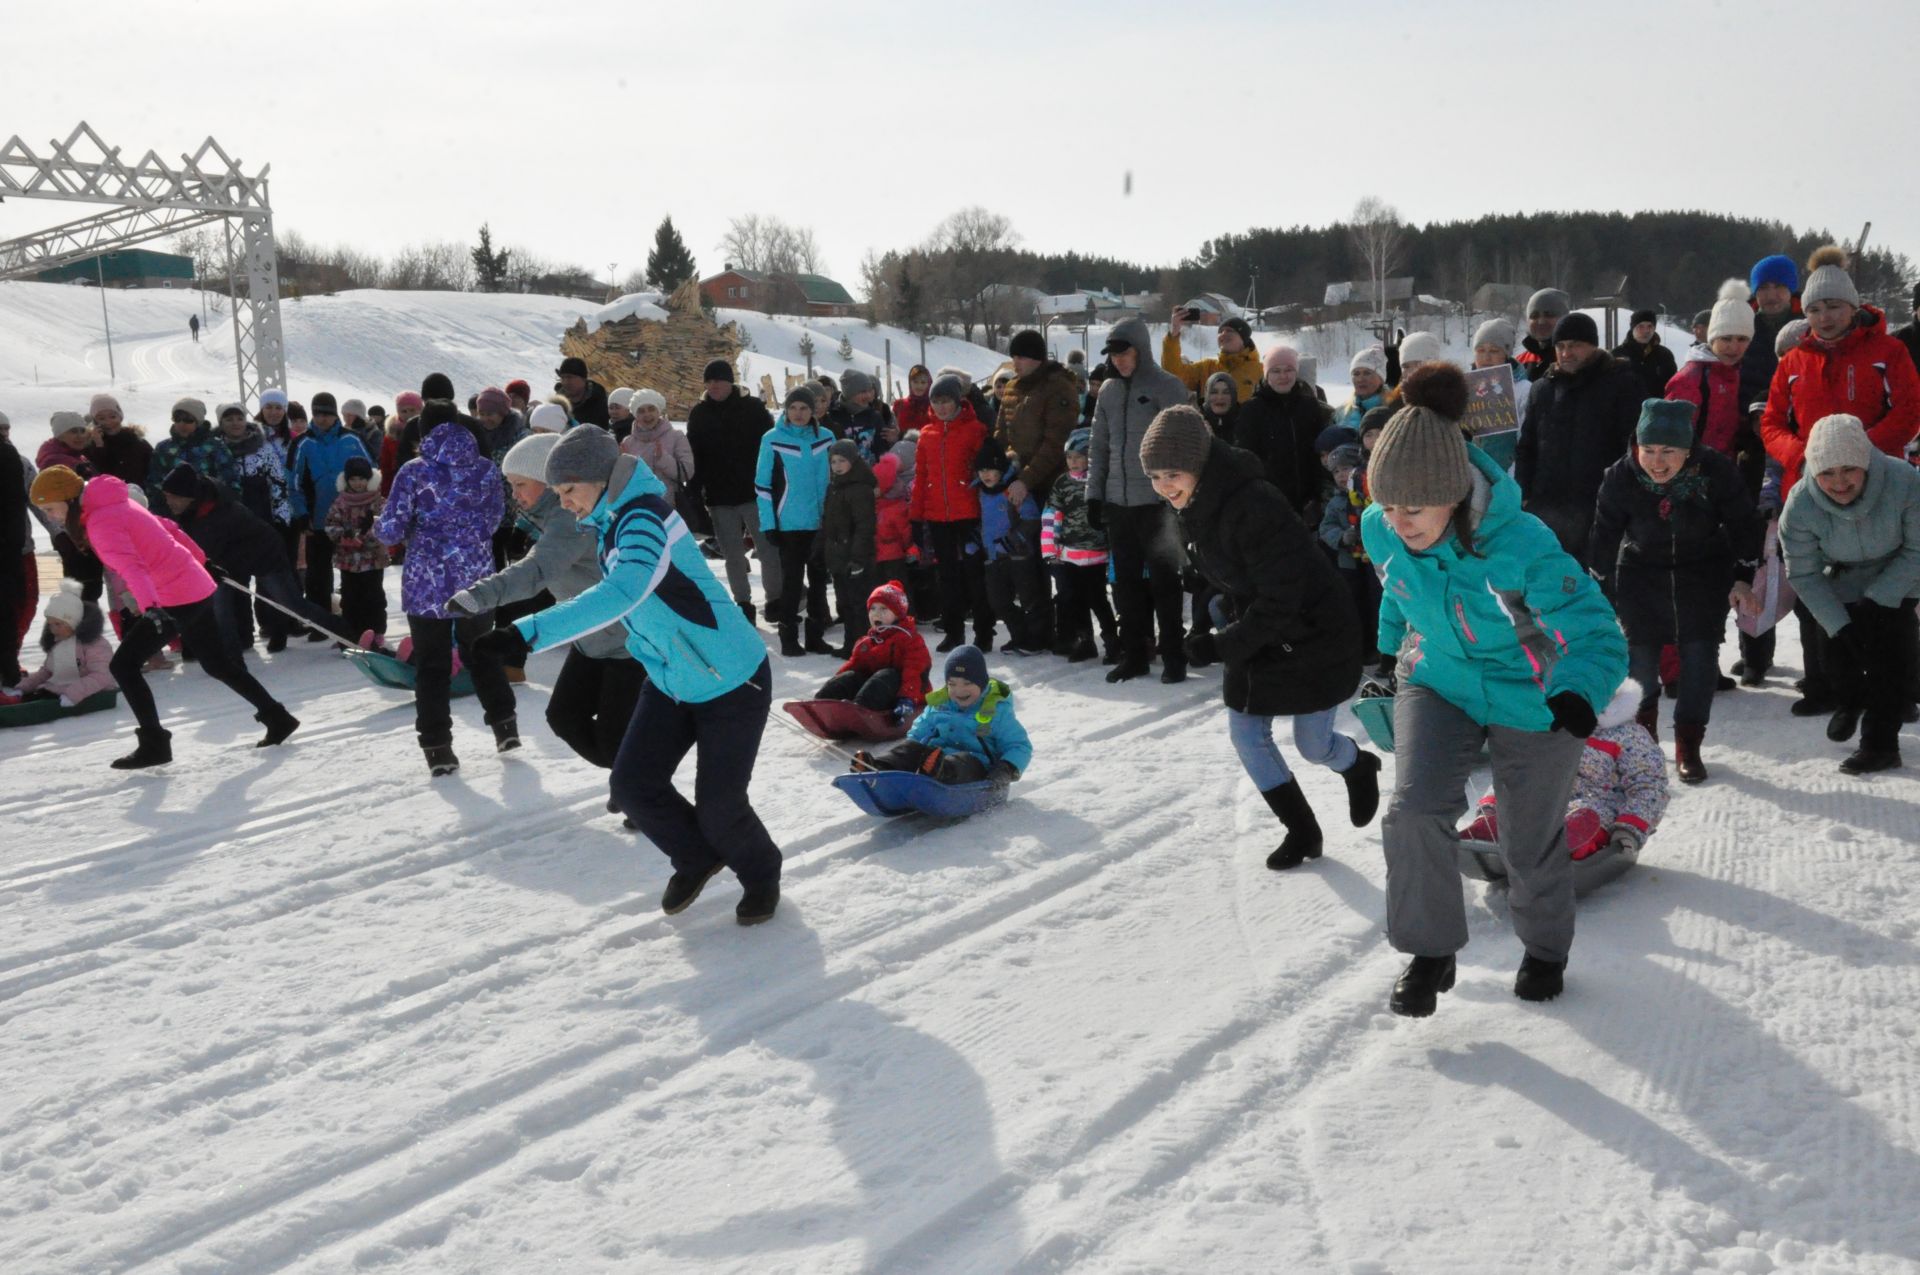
718, 825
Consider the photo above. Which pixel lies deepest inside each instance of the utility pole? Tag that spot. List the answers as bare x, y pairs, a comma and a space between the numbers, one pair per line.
99, 273
613, 281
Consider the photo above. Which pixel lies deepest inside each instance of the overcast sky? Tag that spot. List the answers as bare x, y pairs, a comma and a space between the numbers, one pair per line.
573, 125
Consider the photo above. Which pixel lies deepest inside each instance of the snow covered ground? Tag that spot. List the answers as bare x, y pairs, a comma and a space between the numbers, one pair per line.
303, 1010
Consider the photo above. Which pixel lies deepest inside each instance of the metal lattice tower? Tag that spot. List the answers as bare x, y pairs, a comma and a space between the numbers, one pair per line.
150, 200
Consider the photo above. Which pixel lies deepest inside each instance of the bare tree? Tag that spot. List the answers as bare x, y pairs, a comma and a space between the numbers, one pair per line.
1381, 242
768, 245
965, 253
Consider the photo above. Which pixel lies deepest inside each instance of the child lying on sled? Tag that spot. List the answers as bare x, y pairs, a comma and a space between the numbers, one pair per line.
967, 733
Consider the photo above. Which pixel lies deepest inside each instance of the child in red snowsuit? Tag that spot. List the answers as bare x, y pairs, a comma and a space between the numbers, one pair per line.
889, 666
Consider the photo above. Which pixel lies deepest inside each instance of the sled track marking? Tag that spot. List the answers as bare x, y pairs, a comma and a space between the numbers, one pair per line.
601, 1091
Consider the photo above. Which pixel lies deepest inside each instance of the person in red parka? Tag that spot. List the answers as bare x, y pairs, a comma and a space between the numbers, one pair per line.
888, 669
1711, 378
165, 572
1846, 365
945, 511
915, 411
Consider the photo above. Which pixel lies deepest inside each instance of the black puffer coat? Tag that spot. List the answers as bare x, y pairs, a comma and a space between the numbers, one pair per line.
1280, 429
1577, 425
1292, 643
1669, 560
230, 535
1652, 362
725, 437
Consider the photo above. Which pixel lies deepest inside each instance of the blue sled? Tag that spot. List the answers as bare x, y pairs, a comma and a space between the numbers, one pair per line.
384, 670
898, 792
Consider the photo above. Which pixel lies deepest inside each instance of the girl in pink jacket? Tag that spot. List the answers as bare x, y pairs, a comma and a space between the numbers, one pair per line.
165, 572
77, 653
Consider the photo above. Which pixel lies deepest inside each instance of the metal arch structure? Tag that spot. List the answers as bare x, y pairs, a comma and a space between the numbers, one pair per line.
152, 199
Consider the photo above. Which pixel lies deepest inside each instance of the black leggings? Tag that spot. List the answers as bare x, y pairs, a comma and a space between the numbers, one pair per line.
878, 691
961, 564
433, 642
199, 629
592, 703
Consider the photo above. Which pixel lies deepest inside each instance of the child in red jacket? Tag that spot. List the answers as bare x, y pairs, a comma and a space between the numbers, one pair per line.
889, 666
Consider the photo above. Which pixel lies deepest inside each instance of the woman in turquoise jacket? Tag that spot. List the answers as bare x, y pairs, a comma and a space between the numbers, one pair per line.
1504, 641
790, 483
708, 687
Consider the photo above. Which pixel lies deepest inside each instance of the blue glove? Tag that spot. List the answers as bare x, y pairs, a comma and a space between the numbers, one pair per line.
902, 709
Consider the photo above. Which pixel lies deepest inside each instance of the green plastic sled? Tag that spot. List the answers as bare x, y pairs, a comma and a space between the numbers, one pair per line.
384, 670
37, 712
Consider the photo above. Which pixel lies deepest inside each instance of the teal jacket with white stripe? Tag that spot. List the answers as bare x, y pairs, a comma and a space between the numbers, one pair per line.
682, 624
1499, 631
790, 482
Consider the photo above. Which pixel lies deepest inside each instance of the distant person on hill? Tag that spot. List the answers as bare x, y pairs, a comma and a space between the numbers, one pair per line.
118, 448
193, 326
1237, 358
1643, 352
1545, 309
724, 430
589, 398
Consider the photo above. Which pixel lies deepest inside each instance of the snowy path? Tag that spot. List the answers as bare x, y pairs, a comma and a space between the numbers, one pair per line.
304, 1011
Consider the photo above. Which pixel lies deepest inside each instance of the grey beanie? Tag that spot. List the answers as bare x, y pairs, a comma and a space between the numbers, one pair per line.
67, 422
1494, 332
802, 394
193, 407
1837, 441
1829, 283
1226, 379
948, 386
1551, 301
1178, 439
1420, 461
1791, 334
583, 455
855, 383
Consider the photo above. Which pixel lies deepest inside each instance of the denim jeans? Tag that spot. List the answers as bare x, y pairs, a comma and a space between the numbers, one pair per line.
1699, 674
1313, 737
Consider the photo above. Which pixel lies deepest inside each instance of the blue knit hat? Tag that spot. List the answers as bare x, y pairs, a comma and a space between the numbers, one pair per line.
1081, 440
1665, 422
1775, 269
968, 662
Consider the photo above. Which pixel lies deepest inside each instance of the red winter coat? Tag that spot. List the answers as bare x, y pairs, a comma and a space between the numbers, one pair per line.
1715, 385
912, 413
898, 646
893, 526
943, 489
1866, 374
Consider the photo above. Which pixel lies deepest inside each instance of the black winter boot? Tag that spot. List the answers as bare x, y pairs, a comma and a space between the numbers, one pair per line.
440, 759
1363, 788
1303, 840
279, 723
790, 641
1687, 738
1539, 980
746, 609
155, 748
1864, 761
1082, 650
757, 904
1130, 667
1418, 988
1649, 719
684, 887
1173, 671
1843, 723
506, 734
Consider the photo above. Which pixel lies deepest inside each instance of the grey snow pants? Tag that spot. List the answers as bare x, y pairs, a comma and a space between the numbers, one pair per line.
731, 525
1436, 746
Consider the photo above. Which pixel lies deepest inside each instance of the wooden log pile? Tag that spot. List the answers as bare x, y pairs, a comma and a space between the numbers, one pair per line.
665, 356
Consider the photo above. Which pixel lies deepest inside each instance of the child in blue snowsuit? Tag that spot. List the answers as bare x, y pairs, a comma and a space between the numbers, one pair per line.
1011, 536
967, 733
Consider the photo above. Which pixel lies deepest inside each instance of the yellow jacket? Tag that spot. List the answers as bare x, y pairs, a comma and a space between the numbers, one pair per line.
1245, 368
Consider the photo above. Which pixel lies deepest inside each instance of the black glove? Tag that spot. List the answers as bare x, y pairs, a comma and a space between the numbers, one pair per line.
301, 525
149, 625
1572, 714
1002, 774
507, 646
1096, 515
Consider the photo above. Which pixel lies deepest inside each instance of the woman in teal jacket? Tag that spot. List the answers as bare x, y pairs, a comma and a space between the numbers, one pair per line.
790, 483
708, 686
1503, 640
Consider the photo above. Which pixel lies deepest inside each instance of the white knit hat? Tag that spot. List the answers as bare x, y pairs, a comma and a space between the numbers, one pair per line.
548, 418
1837, 442
644, 398
622, 397
1373, 358
1730, 318
528, 457
1420, 347
67, 606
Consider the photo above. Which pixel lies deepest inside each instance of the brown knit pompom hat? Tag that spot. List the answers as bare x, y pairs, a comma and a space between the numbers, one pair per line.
1420, 461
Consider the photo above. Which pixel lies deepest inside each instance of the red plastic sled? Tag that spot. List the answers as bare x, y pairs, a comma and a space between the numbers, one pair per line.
843, 719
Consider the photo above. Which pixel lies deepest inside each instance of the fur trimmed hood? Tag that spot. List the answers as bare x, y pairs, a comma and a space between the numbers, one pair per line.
1622, 707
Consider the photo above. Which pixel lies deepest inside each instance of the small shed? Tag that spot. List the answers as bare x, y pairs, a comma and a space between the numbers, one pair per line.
126, 268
